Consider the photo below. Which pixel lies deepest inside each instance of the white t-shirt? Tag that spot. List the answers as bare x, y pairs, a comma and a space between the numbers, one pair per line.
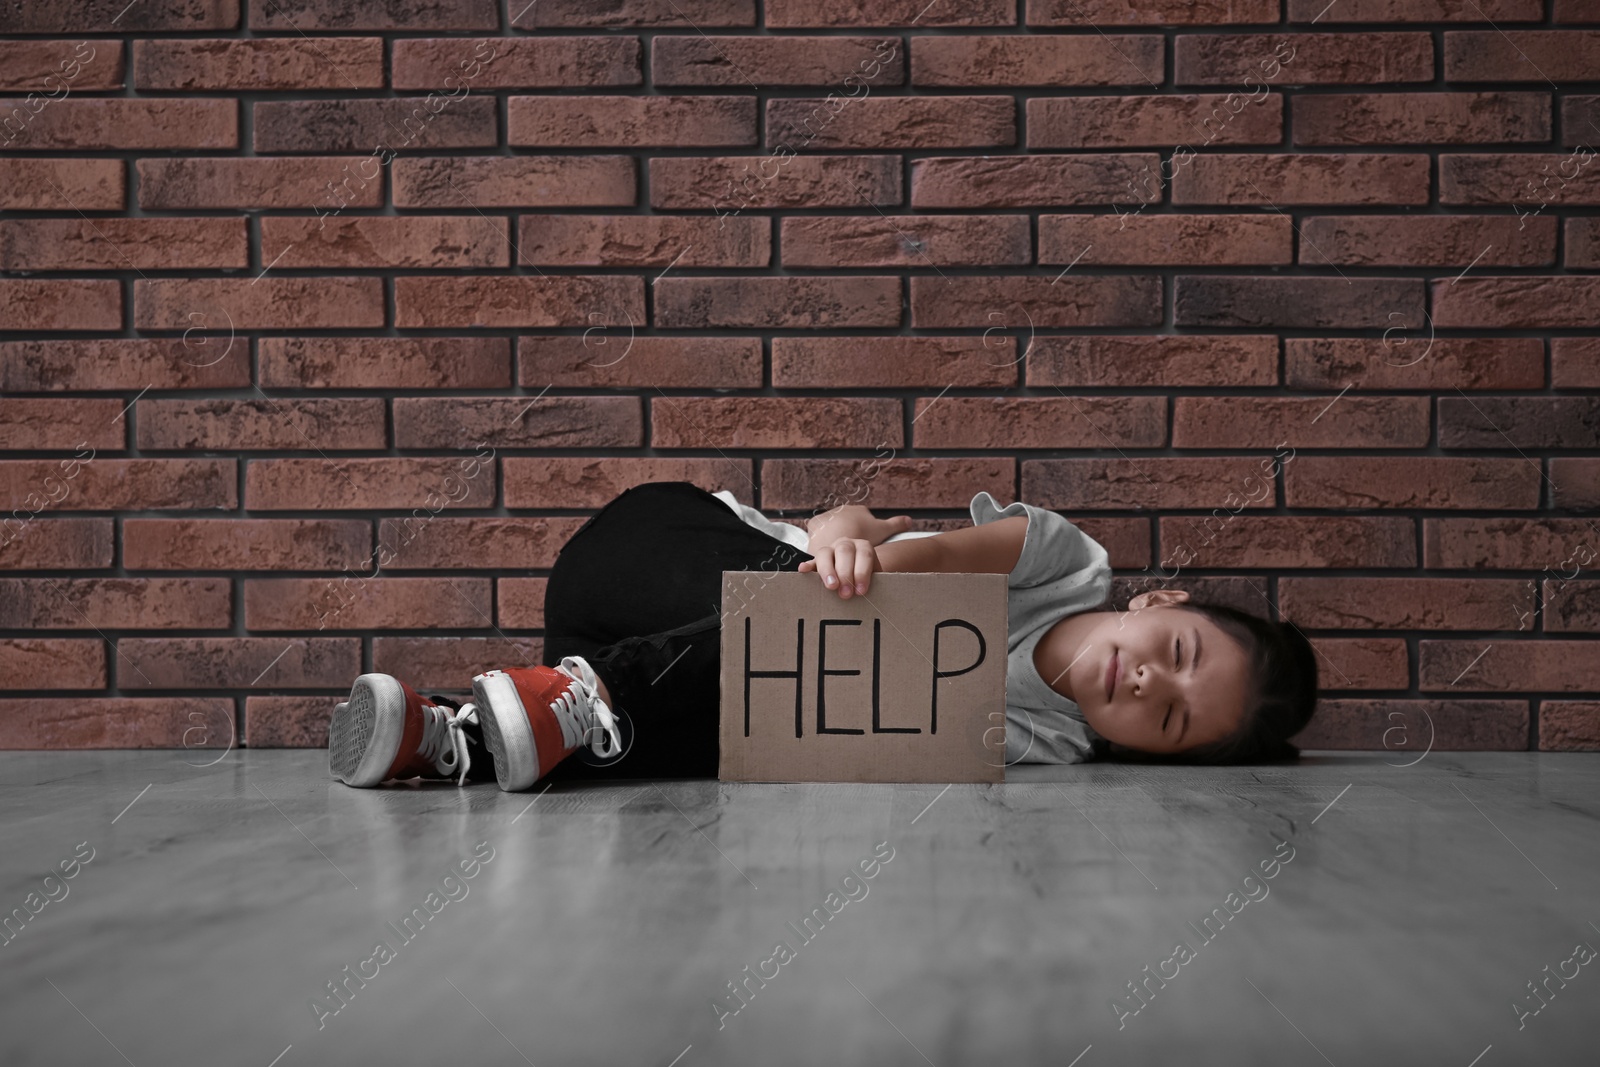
1062, 571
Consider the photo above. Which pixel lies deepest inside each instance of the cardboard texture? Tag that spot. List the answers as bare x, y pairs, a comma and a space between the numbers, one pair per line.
905, 684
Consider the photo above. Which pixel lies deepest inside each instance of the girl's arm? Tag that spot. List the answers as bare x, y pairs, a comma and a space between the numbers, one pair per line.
993, 548
853, 520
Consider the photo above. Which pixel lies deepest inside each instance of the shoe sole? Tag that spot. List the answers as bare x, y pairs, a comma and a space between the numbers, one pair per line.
507, 732
364, 733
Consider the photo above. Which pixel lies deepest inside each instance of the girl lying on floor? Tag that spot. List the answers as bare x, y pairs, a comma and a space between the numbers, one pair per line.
631, 668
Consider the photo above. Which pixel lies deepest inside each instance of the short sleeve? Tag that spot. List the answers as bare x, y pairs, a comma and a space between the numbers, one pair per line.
1054, 549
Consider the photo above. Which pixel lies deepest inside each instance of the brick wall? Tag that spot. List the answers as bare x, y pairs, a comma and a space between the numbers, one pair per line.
324, 323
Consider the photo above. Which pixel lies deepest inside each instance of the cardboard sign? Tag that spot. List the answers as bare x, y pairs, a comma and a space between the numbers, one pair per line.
905, 684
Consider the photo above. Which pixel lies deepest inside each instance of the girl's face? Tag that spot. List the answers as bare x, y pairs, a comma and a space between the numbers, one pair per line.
1157, 678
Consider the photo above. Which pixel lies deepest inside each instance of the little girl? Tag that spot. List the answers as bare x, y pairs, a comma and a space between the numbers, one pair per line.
631, 675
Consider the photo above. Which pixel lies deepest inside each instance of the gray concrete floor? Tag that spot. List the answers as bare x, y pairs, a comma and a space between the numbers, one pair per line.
220, 900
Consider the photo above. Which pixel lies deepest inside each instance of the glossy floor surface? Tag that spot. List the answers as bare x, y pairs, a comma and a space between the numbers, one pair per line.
212, 909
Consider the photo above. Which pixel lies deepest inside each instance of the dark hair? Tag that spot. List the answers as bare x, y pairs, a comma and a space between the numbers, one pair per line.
1281, 699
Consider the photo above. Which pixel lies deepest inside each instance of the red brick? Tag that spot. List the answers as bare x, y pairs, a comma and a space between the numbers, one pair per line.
126, 123
1232, 482
1126, 541
1515, 180
613, 356
1161, 361
465, 241
1152, 121
1536, 666
1409, 729
1400, 603
1282, 542
286, 722
1421, 118
448, 663
259, 65
893, 363
385, 362
375, 604
78, 423
1521, 55
1569, 725
1165, 240
69, 16
900, 484
1302, 422
701, 182
496, 301
520, 606
402, 123
62, 185
113, 722
774, 422
643, 241
1575, 483
257, 304
245, 544
362, 485
1503, 544
1580, 124
1427, 241
1413, 360
776, 303
518, 422
880, 240
249, 424
1361, 663
1575, 362
902, 122
115, 603
124, 244
628, 14
1277, 180
1300, 303
1160, 13
1040, 422
117, 363
1037, 60
1567, 11
1572, 607
237, 662
796, 60
1582, 242
594, 481
1025, 301
514, 182
313, 15
52, 663
1419, 10
1312, 58
1523, 301
33, 544
493, 541
102, 484
51, 68
630, 121
1519, 422
482, 64
59, 304
301, 182
1433, 482
907, 14
1024, 181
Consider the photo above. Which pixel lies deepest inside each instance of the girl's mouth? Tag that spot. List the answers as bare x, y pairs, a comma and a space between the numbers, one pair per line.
1112, 674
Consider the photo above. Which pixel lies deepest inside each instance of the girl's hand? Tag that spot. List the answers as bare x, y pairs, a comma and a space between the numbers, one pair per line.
846, 565
854, 520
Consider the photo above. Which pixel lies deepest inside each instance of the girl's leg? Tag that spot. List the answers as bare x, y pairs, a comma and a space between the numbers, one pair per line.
638, 592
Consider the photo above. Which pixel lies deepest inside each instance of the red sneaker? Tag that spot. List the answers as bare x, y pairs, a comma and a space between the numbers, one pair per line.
388, 730
535, 717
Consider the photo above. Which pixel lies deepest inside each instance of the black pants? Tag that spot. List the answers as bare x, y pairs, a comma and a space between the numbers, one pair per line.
637, 592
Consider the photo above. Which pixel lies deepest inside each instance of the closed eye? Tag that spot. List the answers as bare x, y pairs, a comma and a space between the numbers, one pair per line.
1166, 720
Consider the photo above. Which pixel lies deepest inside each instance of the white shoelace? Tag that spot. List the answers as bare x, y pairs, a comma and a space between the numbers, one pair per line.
577, 715
443, 741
